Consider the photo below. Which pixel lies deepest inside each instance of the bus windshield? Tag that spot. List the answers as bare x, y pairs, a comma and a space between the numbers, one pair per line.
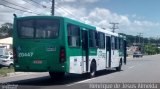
38, 28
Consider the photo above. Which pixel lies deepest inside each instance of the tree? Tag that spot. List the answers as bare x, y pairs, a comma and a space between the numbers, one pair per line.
151, 49
6, 30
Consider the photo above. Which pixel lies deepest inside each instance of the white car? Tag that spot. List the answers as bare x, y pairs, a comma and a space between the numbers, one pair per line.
6, 61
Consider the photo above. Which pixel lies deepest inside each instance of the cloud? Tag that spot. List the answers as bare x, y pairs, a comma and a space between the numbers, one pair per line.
7, 13
79, 1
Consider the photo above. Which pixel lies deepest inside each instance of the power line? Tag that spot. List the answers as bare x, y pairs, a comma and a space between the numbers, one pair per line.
39, 4
19, 9
28, 2
19, 6
65, 10
34, 4
44, 6
55, 5
15, 4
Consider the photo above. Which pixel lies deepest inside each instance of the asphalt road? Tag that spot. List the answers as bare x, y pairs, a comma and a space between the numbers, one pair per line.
137, 70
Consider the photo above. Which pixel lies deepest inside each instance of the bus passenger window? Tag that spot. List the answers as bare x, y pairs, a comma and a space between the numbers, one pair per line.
116, 43
92, 38
113, 42
26, 29
101, 40
73, 35
47, 29
40, 28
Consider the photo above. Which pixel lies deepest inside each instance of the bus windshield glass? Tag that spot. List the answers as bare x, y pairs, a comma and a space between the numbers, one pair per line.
38, 28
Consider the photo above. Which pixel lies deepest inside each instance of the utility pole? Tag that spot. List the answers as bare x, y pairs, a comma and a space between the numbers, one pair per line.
140, 34
149, 40
140, 43
114, 27
157, 41
52, 8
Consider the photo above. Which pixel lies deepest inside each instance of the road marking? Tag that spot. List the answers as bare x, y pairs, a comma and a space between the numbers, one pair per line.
90, 79
131, 67
80, 82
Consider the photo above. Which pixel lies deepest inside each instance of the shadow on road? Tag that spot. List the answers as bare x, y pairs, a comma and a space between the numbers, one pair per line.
68, 79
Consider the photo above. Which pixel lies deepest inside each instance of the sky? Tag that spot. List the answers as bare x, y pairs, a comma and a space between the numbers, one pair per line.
133, 16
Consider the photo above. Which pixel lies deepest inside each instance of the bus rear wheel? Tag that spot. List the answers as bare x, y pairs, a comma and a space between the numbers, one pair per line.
56, 75
92, 70
120, 66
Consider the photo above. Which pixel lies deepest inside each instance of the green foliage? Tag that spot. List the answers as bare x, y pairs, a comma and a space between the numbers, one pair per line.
4, 71
6, 30
135, 39
151, 49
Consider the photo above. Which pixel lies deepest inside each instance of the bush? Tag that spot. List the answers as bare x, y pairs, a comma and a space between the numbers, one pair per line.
5, 70
151, 49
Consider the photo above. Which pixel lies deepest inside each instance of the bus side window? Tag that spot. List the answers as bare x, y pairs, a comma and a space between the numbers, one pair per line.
113, 42
101, 40
121, 44
92, 38
73, 35
116, 43
108, 43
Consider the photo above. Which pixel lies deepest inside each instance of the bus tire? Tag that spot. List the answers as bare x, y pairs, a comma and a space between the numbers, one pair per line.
92, 69
56, 75
120, 66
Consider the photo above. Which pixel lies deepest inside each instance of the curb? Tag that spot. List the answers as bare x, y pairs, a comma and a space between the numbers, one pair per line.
14, 74
18, 73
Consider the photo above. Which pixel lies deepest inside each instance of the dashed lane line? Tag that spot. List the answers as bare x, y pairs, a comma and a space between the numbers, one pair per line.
80, 82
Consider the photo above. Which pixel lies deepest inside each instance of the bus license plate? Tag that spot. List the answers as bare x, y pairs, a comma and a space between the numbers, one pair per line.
37, 61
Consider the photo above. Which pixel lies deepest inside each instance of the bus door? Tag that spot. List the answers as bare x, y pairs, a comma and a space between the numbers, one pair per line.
125, 51
113, 51
85, 58
108, 51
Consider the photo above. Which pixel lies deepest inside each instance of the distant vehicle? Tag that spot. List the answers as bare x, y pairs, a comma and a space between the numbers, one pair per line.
137, 54
6, 61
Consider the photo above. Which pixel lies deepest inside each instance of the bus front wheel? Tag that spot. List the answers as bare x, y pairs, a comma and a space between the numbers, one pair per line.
57, 75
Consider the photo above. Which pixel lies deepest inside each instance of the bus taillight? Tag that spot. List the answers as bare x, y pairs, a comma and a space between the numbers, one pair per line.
15, 55
62, 55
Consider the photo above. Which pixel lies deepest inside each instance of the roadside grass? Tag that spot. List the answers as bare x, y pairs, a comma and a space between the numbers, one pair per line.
5, 70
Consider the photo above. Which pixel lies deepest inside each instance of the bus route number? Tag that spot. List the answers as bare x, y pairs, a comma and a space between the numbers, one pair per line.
28, 54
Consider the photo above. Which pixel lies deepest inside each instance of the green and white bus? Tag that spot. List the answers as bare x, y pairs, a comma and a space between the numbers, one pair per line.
60, 45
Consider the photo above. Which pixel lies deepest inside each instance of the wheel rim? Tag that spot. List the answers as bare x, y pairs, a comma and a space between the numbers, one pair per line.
93, 70
93, 73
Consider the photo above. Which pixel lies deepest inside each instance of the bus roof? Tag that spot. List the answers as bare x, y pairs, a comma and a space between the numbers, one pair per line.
38, 16
106, 31
66, 18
